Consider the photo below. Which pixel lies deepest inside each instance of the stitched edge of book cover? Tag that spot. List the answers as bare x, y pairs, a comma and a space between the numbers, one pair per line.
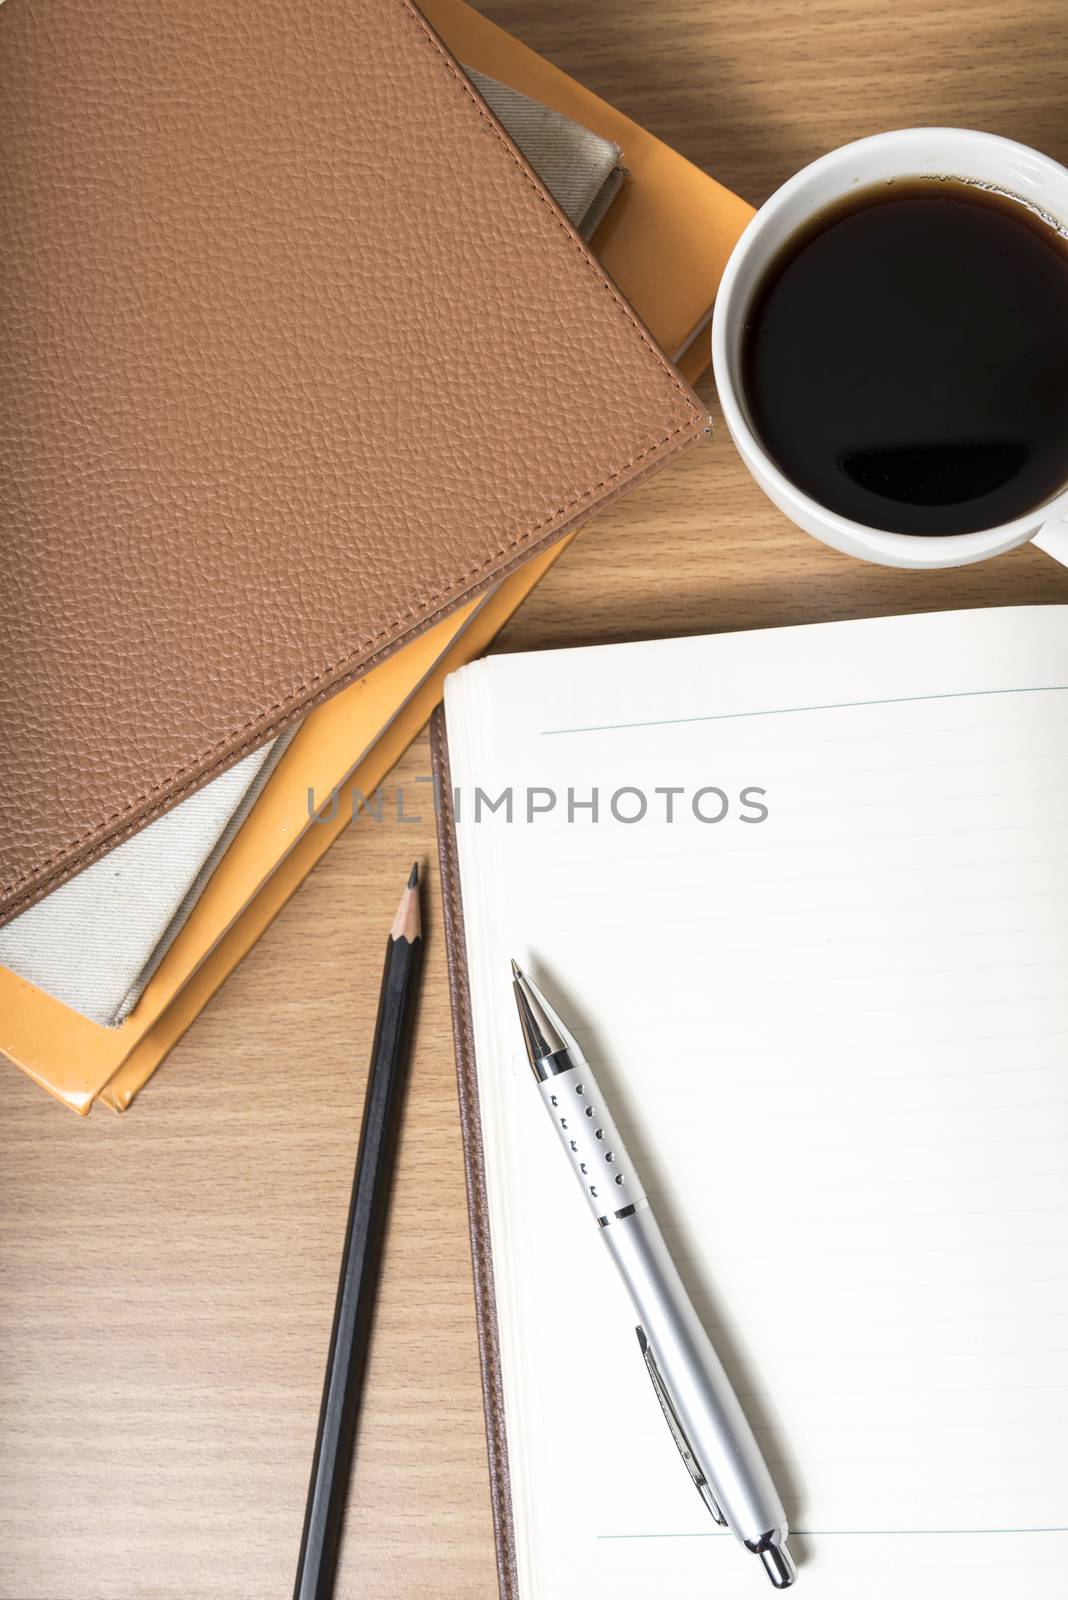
474, 1166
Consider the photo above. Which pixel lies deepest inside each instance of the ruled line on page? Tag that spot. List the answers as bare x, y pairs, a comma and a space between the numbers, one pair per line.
785, 711
845, 1533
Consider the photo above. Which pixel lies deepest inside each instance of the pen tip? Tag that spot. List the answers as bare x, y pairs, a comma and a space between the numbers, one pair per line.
413, 876
516, 973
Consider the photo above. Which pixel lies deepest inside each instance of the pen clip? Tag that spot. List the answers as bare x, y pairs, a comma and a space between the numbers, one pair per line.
678, 1432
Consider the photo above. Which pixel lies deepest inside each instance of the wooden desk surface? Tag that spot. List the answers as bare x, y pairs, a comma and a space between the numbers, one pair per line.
168, 1279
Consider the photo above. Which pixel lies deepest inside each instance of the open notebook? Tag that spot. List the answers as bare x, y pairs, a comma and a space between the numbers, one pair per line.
837, 1040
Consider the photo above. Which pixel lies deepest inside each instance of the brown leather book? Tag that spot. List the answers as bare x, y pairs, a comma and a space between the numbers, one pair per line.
474, 1165
299, 355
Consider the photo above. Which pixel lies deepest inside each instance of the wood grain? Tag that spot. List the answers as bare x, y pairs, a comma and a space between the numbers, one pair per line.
167, 1279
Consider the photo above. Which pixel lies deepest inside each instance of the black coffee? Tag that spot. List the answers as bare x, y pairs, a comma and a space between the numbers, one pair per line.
905, 359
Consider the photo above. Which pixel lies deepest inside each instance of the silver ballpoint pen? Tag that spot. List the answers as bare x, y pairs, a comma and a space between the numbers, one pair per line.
699, 1405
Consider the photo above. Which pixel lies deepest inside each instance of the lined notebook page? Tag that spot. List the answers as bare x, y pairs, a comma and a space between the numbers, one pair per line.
837, 1045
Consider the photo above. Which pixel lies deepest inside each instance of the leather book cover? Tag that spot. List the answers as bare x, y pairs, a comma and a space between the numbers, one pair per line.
299, 355
664, 198
474, 1165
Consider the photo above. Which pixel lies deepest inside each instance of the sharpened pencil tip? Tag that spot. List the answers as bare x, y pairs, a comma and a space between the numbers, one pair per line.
407, 924
516, 970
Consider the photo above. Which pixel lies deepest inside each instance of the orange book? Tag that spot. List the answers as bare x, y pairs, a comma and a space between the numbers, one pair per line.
665, 241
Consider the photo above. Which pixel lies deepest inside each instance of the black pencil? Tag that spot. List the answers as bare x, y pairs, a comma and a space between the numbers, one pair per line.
363, 1250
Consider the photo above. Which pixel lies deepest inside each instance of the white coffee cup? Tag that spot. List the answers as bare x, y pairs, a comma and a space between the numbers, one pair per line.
982, 158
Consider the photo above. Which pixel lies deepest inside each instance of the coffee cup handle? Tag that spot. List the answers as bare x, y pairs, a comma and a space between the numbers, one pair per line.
1052, 537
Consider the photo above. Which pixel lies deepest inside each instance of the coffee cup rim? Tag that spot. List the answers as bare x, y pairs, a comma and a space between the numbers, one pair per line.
1035, 172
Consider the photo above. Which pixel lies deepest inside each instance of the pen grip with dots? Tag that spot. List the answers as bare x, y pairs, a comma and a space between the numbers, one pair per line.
591, 1142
